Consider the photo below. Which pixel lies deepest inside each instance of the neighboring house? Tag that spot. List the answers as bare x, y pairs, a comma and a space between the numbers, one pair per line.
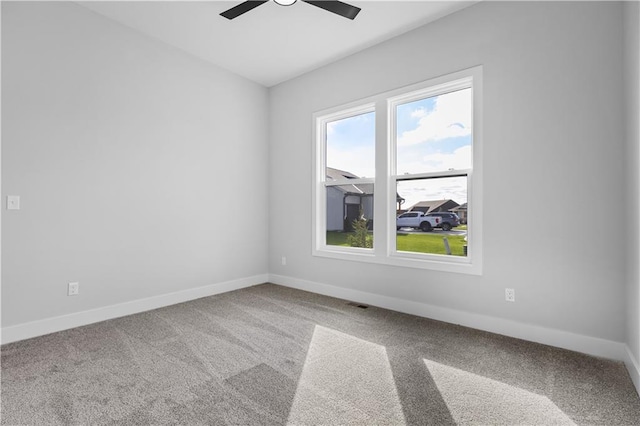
434, 206
461, 211
345, 202
400, 202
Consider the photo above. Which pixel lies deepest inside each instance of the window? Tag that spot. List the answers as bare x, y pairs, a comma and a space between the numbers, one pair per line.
433, 147
349, 177
420, 148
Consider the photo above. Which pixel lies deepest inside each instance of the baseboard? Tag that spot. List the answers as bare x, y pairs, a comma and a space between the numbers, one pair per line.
634, 368
65, 322
562, 339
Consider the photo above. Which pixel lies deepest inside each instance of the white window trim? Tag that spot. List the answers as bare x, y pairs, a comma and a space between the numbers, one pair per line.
384, 251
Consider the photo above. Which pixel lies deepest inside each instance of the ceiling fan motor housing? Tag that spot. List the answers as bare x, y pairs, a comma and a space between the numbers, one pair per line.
285, 2
339, 8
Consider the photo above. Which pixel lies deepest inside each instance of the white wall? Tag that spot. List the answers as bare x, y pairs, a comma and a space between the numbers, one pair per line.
131, 159
631, 27
124, 150
553, 149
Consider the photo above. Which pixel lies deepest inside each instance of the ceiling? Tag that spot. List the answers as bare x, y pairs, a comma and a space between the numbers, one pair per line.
272, 43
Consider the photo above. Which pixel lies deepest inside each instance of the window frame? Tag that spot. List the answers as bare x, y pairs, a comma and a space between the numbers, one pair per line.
320, 178
385, 179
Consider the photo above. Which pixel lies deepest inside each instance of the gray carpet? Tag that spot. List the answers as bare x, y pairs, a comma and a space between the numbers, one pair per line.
269, 355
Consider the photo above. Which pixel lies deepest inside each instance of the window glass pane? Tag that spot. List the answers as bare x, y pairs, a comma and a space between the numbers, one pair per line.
434, 219
351, 147
434, 134
350, 215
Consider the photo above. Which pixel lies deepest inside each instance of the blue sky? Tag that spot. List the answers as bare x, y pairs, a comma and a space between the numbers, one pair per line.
351, 144
433, 134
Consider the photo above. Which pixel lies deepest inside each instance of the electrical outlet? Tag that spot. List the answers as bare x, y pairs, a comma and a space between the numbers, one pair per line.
284, 261
73, 289
13, 202
509, 295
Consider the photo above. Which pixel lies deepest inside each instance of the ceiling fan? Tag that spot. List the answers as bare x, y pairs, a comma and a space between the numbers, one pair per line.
337, 7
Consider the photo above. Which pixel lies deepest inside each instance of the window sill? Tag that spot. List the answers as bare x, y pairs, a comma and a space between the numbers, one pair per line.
440, 263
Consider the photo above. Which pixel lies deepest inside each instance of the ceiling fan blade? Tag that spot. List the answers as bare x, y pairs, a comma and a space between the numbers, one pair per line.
244, 7
337, 7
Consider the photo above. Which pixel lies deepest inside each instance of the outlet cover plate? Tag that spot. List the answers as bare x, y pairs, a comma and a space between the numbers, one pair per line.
13, 202
509, 295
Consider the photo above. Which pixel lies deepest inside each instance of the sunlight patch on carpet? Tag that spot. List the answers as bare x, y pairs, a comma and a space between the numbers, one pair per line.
345, 380
474, 399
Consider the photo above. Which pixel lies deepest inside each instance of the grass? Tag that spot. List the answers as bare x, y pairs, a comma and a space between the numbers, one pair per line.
428, 242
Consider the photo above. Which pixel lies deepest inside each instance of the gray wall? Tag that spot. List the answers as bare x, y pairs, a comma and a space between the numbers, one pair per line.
130, 158
632, 114
553, 146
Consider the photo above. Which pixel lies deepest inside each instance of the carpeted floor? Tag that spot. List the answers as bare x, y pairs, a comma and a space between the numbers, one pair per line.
270, 355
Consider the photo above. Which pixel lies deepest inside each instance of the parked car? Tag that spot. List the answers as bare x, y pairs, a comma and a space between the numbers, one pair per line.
448, 220
417, 220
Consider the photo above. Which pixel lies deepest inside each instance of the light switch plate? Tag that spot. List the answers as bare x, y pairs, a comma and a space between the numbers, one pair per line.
13, 202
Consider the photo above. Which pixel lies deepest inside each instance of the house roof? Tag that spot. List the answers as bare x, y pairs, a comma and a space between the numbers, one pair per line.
361, 188
432, 205
337, 174
460, 207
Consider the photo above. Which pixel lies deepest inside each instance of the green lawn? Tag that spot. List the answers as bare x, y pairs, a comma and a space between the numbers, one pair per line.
428, 242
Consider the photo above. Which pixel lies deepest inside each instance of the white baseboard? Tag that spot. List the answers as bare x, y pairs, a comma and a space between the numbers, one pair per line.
65, 322
634, 368
562, 339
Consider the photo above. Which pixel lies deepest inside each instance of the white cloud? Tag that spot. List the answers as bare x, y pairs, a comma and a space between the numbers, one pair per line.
359, 161
451, 117
418, 113
458, 160
433, 189
436, 189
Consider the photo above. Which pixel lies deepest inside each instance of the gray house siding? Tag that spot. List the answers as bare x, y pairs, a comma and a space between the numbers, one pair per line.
343, 207
346, 202
335, 209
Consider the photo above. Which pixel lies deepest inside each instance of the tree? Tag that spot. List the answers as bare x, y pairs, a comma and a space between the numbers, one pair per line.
360, 236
